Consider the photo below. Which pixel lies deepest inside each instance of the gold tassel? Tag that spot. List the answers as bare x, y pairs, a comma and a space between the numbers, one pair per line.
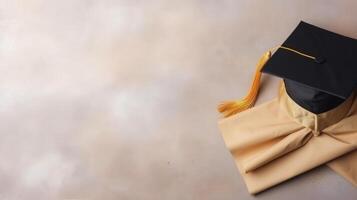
229, 108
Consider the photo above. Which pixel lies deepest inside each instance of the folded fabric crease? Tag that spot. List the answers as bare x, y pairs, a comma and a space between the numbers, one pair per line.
279, 140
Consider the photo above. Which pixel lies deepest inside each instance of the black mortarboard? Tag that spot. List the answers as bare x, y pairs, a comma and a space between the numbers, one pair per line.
318, 68
316, 65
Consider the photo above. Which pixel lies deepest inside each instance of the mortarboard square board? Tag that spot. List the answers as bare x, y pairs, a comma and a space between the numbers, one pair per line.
333, 71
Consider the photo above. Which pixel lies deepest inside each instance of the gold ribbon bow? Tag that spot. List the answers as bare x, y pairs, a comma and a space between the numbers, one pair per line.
275, 141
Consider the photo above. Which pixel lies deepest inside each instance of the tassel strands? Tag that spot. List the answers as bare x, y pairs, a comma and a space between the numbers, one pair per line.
230, 108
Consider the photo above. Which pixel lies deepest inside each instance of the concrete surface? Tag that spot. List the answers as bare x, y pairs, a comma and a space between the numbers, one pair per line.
116, 99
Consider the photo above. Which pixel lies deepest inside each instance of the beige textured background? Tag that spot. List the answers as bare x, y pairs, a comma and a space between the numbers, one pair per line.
116, 99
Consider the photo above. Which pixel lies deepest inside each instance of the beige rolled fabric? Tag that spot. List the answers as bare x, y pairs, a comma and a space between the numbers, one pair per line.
279, 140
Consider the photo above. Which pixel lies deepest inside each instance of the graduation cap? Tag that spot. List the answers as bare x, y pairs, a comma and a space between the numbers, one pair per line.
318, 67
288, 136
